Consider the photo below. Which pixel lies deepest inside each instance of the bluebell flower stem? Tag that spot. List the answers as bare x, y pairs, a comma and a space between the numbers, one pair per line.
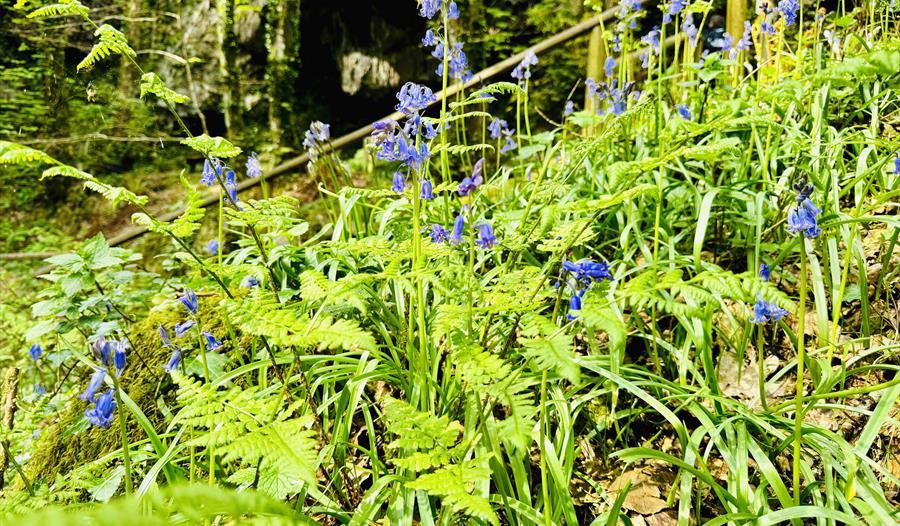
471, 288
801, 358
123, 433
545, 482
221, 227
202, 354
761, 363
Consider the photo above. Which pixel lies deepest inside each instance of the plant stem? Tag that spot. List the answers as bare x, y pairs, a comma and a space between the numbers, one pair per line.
801, 357
123, 432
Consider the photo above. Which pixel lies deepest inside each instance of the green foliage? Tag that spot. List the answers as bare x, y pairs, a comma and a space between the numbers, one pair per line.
186, 224
212, 146
67, 7
151, 83
112, 42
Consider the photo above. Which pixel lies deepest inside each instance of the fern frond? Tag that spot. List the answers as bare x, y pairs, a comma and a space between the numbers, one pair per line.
549, 347
67, 7
212, 146
454, 483
151, 83
186, 224
17, 154
112, 42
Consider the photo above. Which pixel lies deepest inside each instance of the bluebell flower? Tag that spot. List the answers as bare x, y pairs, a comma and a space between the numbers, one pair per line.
452, 11
103, 350
253, 167
318, 133
439, 234
897, 164
765, 273
231, 186
399, 183
675, 7
803, 218
469, 184
164, 336
430, 130
609, 67
570, 108
510, 143
182, 328
684, 111
458, 224
789, 10
457, 63
35, 351
486, 238
101, 414
575, 305
119, 356
40, 390
496, 128
211, 342
414, 98
690, 30
652, 39
250, 282
427, 190
94, 385
429, 8
208, 177
587, 271
523, 70
430, 39
764, 312
190, 301
174, 361
213, 247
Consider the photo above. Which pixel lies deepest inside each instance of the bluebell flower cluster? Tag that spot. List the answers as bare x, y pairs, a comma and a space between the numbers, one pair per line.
789, 10
616, 98
522, 71
581, 275
35, 351
111, 353
764, 311
609, 66
439, 234
651, 40
689, 29
767, 13
804, 216
213, 247
175, 359
210, 170
486, 238
629, 11
254, 169
675, 7
315, 138
499, 128
765, 273
429, 8
746, 42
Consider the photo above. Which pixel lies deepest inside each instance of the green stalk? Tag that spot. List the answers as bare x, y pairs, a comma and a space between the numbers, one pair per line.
801, 357
123, 433
761, 363
545, 485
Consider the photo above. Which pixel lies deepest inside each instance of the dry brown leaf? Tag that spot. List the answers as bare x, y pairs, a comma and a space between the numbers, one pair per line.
643, 497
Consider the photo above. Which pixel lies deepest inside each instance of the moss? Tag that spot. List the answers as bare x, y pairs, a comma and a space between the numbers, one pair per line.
63, 446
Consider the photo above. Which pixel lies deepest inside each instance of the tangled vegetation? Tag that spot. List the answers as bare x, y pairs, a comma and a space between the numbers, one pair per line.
676, 305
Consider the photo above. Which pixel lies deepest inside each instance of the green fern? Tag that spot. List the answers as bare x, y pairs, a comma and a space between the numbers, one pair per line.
151, 83
16, 154
549, 347
67, 7
112, 42
212, 146
454, 484
186, 224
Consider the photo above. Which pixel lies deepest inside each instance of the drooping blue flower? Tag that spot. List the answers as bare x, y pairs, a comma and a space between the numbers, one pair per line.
40, 390
211, 342
569, 109
496, 128
413, 98
439, 234
399, 183
457, 63
587, 271
803, 218
430, 39
690, 30
182, 328
452, 11
208, 177
469, 184
510, 143
575, 305
213, 246
231, 186
164, 336
675, 7
35, 351
101, 414
94, 385
119, 356
427, 190
103, 350
253, 167
174, 361
250, 282
897, 164
523, 70
652, 39
765, 273
609, 67
764, 312
458, 224
789, 9
429, 8
486, 238
684, 111
318, 133
189, 300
